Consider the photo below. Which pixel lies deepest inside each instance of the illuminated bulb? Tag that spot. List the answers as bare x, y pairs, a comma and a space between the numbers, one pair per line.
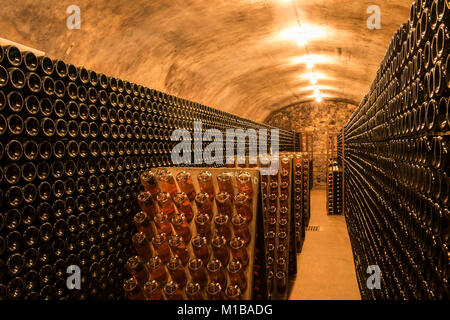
313, 80
319, 98
310, 64
316, 91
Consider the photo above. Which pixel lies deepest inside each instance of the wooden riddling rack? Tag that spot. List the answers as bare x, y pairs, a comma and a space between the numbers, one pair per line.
334, 188
262, 270
248, 294
307, 153
279, 219
334, 175
302, 188
277, 249
298, 204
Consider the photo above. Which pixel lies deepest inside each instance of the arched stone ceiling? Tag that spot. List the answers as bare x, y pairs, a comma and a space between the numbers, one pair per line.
240, 56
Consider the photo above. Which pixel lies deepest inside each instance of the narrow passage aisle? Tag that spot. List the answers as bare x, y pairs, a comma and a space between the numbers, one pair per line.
325, 266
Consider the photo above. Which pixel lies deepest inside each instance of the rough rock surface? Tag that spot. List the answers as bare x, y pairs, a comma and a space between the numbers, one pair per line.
314, 118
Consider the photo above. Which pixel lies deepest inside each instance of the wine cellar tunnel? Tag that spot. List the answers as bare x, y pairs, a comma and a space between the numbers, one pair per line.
236, 56
91, 93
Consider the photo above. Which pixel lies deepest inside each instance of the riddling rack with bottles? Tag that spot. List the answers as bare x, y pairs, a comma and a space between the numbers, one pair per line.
207, 233
334, 187
303, 172
397, 162
300, 184
73, 144
284, 211
217, 260
298, 216
334, 174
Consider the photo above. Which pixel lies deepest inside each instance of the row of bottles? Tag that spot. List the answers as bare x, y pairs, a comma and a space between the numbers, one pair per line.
73, 146
395, 148
196, 235
334, 188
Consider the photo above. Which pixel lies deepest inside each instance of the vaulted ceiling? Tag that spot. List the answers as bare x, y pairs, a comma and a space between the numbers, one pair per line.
248, 57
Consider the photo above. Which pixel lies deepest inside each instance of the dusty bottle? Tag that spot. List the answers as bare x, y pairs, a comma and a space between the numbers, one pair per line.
162, 223
132, 290
200, 248
142, 246
233, 292
203, 225
223, 226
203, 204
214, 291
236, 274
243, 206
147, 204
152, 290
244, 183
137, 269
239, 251
205, 182
225, 183
161, 246
240, 228
177, 271
178, 247
143, 224
181, 226
216, 272
183, 205
172, 291
150, 184
194, 291
165, 204
224, 205
185, 183
157, 270
167, 182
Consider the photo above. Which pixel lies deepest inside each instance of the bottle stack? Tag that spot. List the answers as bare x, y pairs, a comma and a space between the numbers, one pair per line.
397, 163
334, 188
277, 196
73, 144
302, 182
196, 235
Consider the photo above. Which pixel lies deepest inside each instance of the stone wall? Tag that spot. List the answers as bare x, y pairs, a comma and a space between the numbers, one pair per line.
314, 118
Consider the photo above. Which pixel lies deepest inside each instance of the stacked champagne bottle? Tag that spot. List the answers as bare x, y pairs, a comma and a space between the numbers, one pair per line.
334, 187
397, 163
213, 262
73, 144
302, 186
276, 197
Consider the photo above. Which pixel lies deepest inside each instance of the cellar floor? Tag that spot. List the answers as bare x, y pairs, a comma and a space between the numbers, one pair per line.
325, 265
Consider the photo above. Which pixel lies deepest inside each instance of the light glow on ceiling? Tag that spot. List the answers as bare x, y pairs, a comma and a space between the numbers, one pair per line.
302, 35
319, 98
310, 59
313, 77
319, 87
